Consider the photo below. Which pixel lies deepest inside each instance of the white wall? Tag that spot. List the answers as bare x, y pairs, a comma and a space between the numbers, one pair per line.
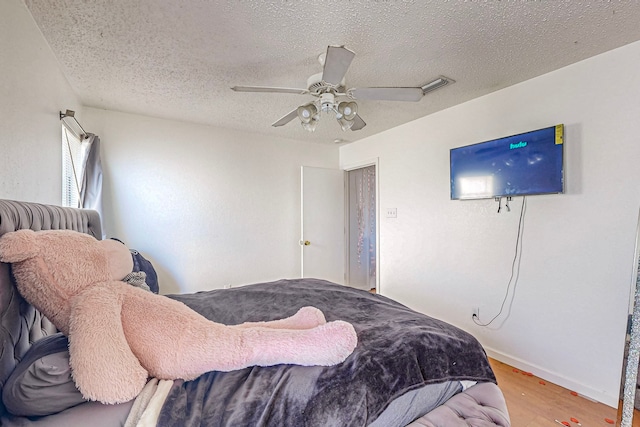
32, 92
567, 319
210, 207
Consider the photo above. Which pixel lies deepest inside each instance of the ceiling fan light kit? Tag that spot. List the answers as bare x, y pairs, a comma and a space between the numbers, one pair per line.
345, 124
310, 126
345, 112
333, 97
307, 112
348, 110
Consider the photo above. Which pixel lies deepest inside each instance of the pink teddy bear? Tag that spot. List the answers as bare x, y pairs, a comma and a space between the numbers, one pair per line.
119, 335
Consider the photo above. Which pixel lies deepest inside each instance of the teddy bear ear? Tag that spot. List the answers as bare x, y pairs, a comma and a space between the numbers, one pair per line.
18, 246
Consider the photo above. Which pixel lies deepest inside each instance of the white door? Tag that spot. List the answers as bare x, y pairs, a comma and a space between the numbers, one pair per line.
322, 239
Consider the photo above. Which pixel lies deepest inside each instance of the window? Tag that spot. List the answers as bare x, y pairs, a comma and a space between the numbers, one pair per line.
72, 155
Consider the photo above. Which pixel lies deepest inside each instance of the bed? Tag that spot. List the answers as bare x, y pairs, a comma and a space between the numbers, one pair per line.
407, 370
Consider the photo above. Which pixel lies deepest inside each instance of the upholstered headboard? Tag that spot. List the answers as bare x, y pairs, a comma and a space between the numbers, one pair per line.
20, 324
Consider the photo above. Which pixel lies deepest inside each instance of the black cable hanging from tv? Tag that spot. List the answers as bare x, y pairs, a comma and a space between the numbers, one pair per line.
515, 272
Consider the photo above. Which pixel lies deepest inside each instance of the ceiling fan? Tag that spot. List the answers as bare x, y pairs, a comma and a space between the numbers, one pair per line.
334, 98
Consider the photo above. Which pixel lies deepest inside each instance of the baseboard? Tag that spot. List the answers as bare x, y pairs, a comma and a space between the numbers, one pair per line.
582, 389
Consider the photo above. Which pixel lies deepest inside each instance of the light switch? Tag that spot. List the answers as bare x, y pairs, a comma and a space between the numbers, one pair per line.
392, 212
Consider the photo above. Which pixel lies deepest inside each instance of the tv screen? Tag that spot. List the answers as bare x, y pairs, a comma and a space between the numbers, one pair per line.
519, 165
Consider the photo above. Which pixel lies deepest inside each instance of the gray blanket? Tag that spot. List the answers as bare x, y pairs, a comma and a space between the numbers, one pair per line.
398, 350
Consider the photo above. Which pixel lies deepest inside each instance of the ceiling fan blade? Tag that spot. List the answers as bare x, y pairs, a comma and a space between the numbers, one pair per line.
269, 89
336, 64
358, 123
413, 94
286, 119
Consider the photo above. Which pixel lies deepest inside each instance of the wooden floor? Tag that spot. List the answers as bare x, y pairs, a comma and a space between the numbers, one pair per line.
533, 402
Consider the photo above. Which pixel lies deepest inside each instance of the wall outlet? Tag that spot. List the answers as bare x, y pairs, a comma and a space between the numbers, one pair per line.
475, 312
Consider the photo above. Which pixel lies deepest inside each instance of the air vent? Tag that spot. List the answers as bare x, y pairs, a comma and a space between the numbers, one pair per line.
436, 84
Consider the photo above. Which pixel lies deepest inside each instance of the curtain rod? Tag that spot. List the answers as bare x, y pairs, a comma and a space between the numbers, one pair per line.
72, 114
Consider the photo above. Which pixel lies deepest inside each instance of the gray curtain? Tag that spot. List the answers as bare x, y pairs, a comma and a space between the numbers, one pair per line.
91, 188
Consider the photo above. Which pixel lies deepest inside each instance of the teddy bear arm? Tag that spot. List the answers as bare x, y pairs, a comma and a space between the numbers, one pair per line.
104, 367
18, 246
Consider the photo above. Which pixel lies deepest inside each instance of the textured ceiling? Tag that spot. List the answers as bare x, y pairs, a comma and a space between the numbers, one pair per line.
179, 59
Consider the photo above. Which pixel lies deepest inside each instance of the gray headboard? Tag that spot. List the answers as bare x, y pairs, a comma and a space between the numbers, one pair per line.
21, 324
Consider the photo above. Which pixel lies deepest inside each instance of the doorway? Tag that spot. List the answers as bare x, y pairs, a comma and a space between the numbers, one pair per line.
339, 225
362, 226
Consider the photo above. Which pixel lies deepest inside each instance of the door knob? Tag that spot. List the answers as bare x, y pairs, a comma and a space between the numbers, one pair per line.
305, 242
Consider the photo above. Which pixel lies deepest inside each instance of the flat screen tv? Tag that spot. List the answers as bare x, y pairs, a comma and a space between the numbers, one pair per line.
518, 165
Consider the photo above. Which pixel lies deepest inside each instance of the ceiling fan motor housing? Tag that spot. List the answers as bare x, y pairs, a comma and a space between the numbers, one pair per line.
317, 86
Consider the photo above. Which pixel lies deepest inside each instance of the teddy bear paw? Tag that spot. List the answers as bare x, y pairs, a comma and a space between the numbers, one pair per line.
340, 339
307, 318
